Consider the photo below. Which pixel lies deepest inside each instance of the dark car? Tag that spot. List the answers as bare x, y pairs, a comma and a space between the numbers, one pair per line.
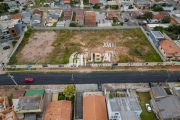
6, 47
28, 80
179, 79
99, 87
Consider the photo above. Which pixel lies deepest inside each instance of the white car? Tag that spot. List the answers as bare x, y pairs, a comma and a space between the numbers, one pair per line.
148, 108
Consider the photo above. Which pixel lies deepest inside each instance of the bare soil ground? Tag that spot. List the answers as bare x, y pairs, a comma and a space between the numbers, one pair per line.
56, 47
38, 47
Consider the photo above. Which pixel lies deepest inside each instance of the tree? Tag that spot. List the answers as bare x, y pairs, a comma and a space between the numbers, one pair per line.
175, 8
69, 91
3, 8
96, 6
110, 95
148, 15
158, 8
164, 4
72, 25
158, 28
166, 19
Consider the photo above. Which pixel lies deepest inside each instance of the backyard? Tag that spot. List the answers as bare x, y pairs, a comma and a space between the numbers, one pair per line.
55, 47
144, 98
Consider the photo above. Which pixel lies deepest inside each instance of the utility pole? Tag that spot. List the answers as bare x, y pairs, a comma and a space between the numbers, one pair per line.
9, 75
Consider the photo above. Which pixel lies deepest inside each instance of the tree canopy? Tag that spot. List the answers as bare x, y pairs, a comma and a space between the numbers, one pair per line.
166, 19
148, 15
158, 8
3, 8
69, 91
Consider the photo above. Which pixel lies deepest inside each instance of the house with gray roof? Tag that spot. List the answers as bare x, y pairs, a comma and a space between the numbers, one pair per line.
12, 6
26, 17
123, 108
36, 18
166, 107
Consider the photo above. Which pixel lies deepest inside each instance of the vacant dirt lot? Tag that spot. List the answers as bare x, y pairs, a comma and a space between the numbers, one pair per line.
56, 47
38, 47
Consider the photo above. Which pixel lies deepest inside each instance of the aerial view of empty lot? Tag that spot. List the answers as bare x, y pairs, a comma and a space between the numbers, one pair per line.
55, 47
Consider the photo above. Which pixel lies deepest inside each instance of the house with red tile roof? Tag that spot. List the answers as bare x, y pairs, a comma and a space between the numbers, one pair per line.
169, 50
135, 14
16, 17
58, 110
113, 15
90, 19
94, 108
93, 1
156, 18
80, 17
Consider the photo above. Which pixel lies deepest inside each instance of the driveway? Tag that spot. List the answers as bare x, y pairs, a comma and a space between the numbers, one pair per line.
5, 53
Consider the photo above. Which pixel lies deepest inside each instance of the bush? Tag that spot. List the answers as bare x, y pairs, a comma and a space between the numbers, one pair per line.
158, 8
110, 95
115, 7
72, 25
61, 96
96, 6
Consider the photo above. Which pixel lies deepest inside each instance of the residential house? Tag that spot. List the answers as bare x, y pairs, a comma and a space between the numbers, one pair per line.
16, 17
123, 108
58, 110
94, 108
156, 36
22, 2
113, 15
93, 2
36, 11
168, 9
125, 2
68, 17
169, 50
6, 112
26, 17
36, 18
101, 20
176, 13
55, 12
143, 4
51, 19
112, 2
5, 17
79, 17
152, 26
31, 102
135, 14
158, 1
166, 107
156, 18
90, 19
11, 30
12, 6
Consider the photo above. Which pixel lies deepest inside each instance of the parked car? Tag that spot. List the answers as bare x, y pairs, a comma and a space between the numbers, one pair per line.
148, 108
28, 80
178, 79
6, 47
99, 86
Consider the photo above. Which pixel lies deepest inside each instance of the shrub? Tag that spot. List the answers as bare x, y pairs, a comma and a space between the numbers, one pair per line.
110, 95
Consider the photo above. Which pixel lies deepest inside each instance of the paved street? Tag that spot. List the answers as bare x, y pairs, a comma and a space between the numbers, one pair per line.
82, 78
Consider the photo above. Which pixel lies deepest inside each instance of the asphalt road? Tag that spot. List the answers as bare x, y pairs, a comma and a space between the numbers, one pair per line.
88, 78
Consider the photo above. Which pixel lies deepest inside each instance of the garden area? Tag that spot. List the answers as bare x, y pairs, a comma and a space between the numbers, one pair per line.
144, 98
55, 47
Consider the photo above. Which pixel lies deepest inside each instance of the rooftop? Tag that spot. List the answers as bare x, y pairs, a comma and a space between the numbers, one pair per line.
30, 116
28, 103
94, 1
157, 34
7, 23
16, 16
90, 19
135, 13
169, 106
66, 1
34, 93
158, 92
58, 110
18, 93
112, 15
79, 106
94, 108
68, 14
79, 15
159, 16
36, 11
170, 48
26, 14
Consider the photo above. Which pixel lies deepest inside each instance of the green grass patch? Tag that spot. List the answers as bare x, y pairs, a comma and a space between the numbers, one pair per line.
125, 59
168, 91
37, 2
74, 16
144, 98
14, 43
13, 59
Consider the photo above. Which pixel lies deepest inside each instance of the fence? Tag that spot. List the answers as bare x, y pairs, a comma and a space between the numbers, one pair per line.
85, 28
97, 65
155, 48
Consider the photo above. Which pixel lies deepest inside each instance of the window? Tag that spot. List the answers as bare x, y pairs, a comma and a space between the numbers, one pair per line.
12, 31
116, 113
